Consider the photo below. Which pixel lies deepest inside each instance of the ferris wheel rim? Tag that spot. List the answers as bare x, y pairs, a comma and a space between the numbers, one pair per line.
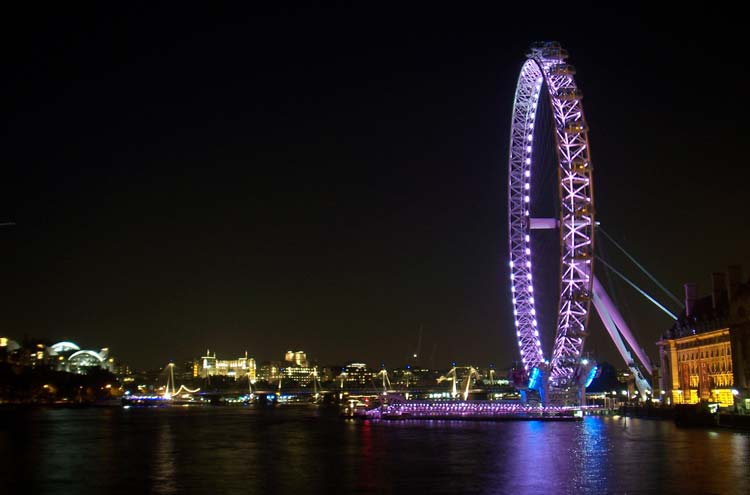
545, 66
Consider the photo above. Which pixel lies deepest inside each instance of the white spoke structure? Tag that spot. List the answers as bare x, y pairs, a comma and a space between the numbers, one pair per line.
545, 67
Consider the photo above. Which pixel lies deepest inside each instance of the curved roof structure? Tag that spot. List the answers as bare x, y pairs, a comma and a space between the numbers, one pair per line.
65, 346
80, 354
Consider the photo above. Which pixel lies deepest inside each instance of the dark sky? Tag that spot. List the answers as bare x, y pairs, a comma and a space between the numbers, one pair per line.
332, 179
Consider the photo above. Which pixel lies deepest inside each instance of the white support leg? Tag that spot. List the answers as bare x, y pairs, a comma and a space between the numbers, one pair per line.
610, 316
606, 302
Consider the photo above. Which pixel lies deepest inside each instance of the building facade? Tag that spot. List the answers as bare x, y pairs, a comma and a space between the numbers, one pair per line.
296, 358
700, 367
356, 375
704, 355
62, 356
302, 375
269, 371
240, 367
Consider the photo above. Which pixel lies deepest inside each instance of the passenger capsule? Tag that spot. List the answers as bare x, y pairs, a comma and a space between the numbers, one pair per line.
579, 166
583, 254
554, 53
586, 210
562, 70
570, 94
579, 296
575, 127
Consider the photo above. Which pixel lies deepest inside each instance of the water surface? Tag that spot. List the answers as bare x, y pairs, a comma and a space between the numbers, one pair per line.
299, 450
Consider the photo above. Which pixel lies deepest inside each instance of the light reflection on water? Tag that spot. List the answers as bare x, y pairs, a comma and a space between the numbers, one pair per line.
164, 472
306, 450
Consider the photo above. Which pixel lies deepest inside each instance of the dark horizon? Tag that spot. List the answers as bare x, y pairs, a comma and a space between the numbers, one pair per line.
332, 180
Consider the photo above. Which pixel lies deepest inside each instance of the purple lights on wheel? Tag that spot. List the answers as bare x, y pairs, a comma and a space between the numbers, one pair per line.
545, 72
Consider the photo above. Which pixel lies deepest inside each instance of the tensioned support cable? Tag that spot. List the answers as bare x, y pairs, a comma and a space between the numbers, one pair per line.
641, 291
641, 267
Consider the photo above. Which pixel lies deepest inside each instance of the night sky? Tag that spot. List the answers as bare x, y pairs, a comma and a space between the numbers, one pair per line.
332, 179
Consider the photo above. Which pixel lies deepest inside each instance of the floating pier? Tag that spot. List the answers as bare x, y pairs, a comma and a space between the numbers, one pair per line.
471, 410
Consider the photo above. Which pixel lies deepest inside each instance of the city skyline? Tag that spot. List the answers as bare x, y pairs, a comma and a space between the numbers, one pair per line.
310, 179
281, 356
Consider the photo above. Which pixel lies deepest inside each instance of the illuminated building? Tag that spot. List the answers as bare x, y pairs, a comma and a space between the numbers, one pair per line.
409, 376
704, 356
296, 358
62, 356
300, 374
8, 349
240, 367
63, 347
356, 374
296, 368
32, 354
8, 344
739, 336
68, 356
269, 371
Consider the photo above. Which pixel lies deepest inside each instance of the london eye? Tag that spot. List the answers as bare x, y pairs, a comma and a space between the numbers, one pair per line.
546, 74
547, 80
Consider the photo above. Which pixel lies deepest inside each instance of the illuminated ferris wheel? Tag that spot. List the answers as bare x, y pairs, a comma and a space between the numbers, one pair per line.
545, 74
560, 375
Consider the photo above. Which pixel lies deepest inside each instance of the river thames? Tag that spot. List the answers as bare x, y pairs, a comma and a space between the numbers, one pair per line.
301, 449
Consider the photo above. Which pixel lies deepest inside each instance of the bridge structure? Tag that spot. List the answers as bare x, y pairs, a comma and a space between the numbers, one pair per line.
169, 394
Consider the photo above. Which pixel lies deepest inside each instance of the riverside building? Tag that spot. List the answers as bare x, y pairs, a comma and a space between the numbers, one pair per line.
705, 355
240, 367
